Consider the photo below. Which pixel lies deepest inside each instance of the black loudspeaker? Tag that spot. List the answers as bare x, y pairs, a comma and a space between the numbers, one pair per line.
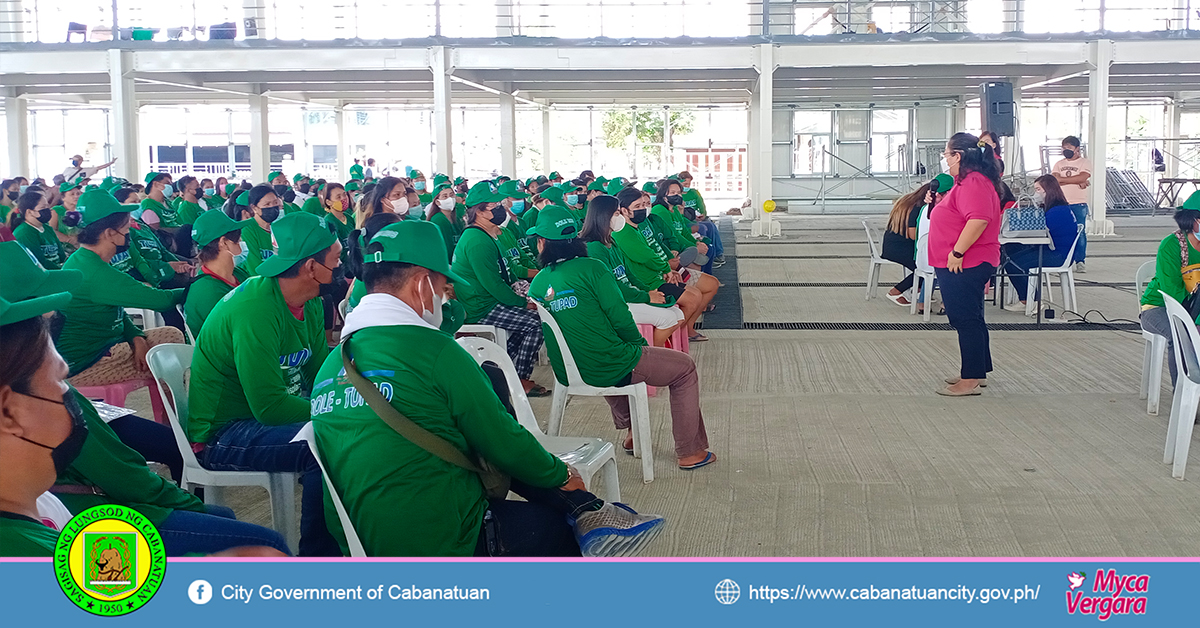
227, 30
998, 108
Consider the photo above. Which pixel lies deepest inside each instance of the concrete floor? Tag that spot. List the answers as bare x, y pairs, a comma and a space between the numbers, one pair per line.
833, 443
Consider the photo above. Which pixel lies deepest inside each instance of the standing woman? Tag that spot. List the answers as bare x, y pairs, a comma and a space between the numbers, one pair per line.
33, 230
964, 248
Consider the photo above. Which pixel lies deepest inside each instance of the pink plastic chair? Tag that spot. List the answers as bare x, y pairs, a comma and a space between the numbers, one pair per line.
115, 394
678, 341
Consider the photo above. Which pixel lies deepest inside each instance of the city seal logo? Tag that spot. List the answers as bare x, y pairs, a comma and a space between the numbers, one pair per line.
109, 560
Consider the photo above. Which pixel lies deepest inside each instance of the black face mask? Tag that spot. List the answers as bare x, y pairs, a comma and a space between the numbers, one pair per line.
12, 196
498, 215
690, 214
269, 214
639, 215
44, 216
279, 189
67, 451
289, 195
1069, 154
337, 281
121, 248
675, 199
305, 187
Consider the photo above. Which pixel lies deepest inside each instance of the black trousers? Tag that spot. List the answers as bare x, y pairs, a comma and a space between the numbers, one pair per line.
962, 294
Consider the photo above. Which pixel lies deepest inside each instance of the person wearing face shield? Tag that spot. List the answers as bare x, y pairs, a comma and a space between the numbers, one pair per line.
253, 368
220, 240
490, 298
33, 230
263, 207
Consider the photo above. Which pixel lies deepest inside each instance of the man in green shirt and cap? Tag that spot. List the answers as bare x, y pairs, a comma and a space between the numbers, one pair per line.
256, 357
158, 193
219, 239
405, 501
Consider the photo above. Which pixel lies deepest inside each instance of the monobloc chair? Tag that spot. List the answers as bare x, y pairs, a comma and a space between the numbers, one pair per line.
1187, 387
639, 402
922, 281
1155, 350
588, 455
356, 548
876, 263
498, 335
1066, 281
168, 364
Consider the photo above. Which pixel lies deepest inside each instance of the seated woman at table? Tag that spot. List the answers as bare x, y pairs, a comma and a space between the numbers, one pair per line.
899, 241
1060, 221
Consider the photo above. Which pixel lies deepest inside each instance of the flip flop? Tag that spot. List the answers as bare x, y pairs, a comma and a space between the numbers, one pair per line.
538, 391
709, 459
698, 338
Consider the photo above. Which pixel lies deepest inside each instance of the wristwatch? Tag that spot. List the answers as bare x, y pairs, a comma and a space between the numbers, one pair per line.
957, 254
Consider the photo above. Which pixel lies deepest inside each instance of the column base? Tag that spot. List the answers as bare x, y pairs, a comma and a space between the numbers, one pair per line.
1102, 228
765, 228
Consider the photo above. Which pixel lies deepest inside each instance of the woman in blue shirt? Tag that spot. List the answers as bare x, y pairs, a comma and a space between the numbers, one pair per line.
1060, 221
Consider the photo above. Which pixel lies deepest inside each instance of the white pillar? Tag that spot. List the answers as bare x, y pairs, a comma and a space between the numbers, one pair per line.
126, 148
504, 22
254, 19
752, 155
546, 140
508, 133
1101, 62
439, 64
761, 148
1014, 16
16, 117
343, 164
12, 21
260, 139
189, 165
1173, 117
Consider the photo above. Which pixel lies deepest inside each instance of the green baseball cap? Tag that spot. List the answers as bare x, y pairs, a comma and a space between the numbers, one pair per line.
230, 187
615, 186
555, 175
555, 223
602, 180
30, 290
509, 190
97, 204
416, 174
482, 193
439, 179
595, 186
243, 198
1193, 201
552, 194
650, 187
945, 182
459, 180
67, 186
298, 235
212, 225
415, 242
437, 189
296, 178
274, 175
351, 186
150, 176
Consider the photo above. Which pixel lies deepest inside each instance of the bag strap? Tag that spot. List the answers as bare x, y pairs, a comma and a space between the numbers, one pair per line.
403, 425
1183, 247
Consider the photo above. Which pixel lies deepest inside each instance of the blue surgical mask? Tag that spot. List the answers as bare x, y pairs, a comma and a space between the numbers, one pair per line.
518, 207
572, 199
23, 188
209, 191
168, 190
686, 190
240, 258
419, 186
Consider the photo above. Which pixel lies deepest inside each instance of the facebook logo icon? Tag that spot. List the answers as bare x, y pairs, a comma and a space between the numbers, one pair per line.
200, 592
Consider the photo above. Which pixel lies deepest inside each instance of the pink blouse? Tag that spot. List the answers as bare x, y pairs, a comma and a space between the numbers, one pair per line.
972, 198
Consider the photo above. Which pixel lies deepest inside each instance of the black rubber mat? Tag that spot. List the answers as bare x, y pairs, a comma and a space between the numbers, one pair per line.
944, 326
728, 314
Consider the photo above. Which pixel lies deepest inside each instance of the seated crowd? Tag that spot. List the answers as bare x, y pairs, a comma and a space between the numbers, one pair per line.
310, 300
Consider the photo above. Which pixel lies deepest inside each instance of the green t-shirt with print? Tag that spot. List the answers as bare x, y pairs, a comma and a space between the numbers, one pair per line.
42, 243
258, 245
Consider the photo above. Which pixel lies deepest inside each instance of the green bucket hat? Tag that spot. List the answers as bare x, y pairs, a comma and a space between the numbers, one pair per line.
482, 193
945, 182
212, 225
29, 290
98, 204
299, 235
67, 186
415, 242
1193, 201
274, 175
555, 223
650, 187
509, 190
552, 194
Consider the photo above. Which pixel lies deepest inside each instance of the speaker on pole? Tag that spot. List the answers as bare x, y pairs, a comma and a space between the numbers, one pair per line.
998, 108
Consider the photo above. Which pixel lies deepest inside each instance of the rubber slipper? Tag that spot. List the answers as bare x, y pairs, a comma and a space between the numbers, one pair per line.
538, 391
698, 338
709, 459
628, 450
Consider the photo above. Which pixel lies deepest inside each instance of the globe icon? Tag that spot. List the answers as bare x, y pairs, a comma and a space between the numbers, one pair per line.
727, 591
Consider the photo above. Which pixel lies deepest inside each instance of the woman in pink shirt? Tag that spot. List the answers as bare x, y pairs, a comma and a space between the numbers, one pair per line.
964, 249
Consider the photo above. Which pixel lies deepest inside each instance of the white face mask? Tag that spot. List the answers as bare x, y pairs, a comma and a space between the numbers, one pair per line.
945, 165
446, 204
507, 219
399, 205
617, 222
435, 317
1039, 198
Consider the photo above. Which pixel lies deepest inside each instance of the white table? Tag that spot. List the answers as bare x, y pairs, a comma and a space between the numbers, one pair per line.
1029, 238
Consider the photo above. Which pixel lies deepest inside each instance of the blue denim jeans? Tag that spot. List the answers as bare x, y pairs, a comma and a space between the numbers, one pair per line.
186, 532
248, 445
709, 229
154, 441
536, 527
1081, 214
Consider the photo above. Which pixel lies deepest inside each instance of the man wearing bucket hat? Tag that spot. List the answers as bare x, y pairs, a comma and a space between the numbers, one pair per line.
220, 241
490, 298
256, 356
443, 509
604, 340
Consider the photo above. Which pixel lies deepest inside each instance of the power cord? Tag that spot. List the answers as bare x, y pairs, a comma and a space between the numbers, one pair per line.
1110, 323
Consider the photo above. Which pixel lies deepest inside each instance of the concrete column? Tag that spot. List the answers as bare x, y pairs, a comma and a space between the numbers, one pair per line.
761, 150
1014, 16
441, 67
508, 132
546, 140
343, 164
504, 22
1101, 62
188, 163
16, 117
260, 139
1173, 117
126, 147
12, 21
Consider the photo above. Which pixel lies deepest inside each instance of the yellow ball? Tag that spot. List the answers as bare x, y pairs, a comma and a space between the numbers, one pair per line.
769, 206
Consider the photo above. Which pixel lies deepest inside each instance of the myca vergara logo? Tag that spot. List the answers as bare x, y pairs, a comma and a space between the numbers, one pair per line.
109, 560
1111, 594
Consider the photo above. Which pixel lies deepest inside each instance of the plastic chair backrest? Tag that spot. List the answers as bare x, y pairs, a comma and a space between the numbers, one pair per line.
1187, 339
1145, 273
875, 252
573, 376
186, 329
487, 351
1071, 251
307, 434
168, 363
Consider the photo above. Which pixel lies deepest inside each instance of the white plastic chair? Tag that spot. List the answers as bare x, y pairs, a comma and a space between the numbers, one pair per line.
168, 363
639, 402
498, 335
150, 318
922, 281
356, 548
1155, 351
877, 262
186, 328
1187, 387
595, 454
1066, 281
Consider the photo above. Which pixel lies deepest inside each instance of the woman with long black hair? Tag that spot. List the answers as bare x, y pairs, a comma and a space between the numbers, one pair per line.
964, 248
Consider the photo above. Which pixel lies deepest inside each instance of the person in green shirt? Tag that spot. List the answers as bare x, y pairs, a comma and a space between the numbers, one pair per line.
419, 185
489, 298
99, 342
667, 214
279, 183
252, 373
158, 193
337, 203
261, 209
583, 297
315, 203
1168, 275
210, 199
220, 240
191, 200
34, 232
390, 195
66, 234
403, 500
356, 171
705, 226
518, 259
441, 213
